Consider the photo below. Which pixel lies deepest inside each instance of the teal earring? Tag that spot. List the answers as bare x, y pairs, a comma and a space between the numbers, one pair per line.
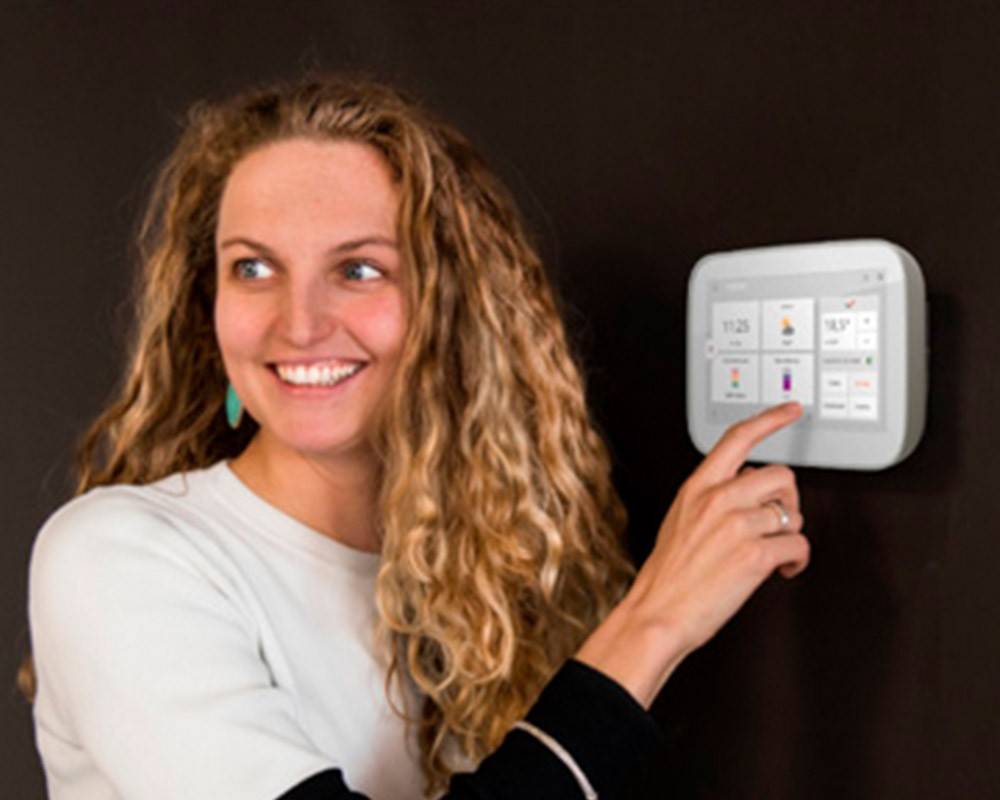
234, 408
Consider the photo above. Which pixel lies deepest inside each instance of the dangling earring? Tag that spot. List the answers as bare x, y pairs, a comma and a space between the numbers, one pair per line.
234, 408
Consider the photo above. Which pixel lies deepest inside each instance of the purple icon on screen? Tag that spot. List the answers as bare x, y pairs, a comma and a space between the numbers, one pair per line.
786, 380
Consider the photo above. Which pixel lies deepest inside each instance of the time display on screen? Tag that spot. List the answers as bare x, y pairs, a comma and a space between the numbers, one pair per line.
736, 325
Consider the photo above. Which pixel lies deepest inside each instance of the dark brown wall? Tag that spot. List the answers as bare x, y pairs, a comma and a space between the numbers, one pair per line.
637, 140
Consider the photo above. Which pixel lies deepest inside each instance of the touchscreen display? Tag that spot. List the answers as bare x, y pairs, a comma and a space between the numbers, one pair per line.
814, 338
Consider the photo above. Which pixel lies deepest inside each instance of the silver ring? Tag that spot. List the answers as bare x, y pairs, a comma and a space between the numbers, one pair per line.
779, 509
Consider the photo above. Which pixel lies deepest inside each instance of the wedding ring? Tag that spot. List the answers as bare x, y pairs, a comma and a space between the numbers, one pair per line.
779, 509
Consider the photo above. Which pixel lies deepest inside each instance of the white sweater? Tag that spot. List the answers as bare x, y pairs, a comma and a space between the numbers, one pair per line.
192, 641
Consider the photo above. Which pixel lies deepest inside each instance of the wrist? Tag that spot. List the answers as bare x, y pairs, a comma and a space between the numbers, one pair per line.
637, 652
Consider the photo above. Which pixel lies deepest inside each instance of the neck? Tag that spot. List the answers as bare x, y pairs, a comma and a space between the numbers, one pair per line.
335, 496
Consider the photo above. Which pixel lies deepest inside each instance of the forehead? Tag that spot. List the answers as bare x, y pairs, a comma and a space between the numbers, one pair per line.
303, 186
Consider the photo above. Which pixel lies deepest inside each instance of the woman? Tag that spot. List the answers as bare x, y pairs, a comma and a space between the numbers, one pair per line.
343, 275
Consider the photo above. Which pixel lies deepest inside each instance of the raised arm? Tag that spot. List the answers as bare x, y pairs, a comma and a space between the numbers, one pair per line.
719, 541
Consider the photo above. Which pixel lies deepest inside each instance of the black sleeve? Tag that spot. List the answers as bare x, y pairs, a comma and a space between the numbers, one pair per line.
326, 785
609, 735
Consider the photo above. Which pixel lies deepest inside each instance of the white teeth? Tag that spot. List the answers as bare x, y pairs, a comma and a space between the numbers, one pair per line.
316, 375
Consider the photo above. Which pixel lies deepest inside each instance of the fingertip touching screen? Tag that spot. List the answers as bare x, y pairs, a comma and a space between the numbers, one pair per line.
838, 326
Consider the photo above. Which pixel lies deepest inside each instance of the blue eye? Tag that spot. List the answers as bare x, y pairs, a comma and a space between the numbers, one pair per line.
251, 269
354, 268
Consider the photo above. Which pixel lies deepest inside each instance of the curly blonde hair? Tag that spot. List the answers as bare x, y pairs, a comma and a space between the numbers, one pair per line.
501, 530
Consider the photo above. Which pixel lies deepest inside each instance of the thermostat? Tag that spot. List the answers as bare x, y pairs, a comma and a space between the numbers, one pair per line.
841, 327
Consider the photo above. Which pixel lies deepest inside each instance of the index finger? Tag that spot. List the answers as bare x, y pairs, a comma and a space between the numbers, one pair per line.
736, 443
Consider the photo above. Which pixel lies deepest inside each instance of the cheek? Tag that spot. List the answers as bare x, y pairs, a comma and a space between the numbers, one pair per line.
235, 326
383, 321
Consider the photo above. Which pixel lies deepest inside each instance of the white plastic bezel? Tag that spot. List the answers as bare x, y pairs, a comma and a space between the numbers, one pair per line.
903, 367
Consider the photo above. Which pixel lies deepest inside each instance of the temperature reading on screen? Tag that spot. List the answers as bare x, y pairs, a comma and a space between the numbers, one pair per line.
839, 329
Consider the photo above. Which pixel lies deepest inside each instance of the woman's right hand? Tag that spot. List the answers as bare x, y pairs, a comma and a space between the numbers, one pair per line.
719, 541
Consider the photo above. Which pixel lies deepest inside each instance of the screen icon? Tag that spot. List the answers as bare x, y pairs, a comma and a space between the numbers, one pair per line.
786, 380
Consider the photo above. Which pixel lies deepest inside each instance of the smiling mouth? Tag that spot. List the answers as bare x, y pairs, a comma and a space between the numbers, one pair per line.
320, 374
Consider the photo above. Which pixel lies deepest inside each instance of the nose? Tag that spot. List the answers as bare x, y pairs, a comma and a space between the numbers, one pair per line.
307, 315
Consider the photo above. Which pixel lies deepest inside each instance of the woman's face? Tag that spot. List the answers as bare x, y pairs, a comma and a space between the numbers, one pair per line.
310, 289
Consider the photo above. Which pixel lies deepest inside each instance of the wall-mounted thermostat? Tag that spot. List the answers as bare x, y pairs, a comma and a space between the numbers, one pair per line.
840, 327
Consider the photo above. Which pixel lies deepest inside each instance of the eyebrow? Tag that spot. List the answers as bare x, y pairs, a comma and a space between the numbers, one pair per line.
343, 247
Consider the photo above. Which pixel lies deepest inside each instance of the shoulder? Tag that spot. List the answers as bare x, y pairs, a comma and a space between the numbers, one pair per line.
119, 534
102, 519
118, 563
109, 514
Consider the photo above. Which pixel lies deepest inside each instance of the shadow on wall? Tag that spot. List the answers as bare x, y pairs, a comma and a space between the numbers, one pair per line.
868, 623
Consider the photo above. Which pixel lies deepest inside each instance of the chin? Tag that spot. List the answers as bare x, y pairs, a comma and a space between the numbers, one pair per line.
318, 440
